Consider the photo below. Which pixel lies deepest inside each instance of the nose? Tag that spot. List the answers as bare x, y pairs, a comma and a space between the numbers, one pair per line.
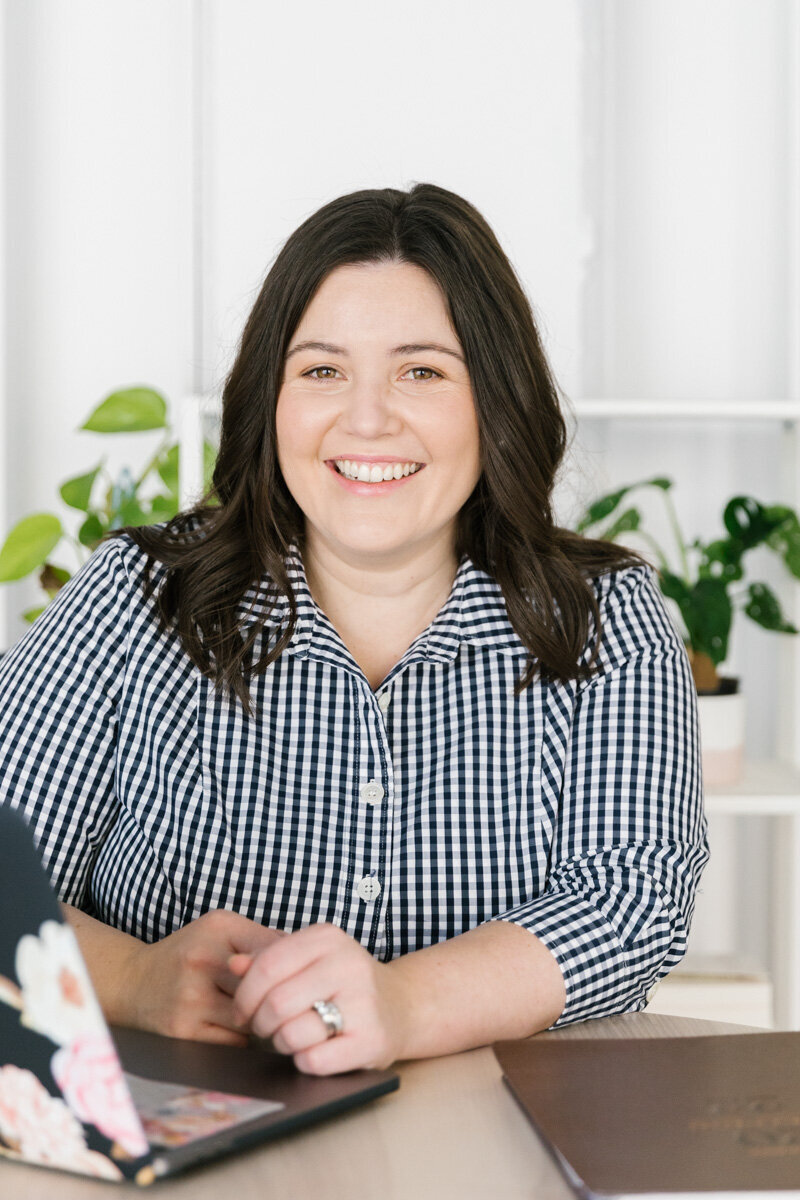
368, 411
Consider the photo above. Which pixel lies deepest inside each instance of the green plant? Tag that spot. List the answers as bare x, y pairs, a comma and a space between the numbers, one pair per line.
703, 586
105, 503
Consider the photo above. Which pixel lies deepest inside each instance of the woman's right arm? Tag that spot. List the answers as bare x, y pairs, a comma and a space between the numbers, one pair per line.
180, 986
60, 687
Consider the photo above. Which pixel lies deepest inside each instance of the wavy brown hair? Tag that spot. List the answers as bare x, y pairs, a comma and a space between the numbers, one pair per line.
240, 531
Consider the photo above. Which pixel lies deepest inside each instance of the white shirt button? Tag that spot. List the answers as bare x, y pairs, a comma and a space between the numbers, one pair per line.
384, 700
372, 792
369, 888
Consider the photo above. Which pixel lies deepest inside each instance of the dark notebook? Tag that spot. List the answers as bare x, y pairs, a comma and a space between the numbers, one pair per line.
127, 1104
665, 1116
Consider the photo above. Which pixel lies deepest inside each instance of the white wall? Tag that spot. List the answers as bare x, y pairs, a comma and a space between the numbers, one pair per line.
307, 102
98, 232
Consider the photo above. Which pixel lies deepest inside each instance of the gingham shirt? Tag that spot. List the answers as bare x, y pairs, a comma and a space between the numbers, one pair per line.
405, 815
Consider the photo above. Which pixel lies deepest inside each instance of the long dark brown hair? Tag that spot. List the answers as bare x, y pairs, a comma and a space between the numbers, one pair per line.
241, 530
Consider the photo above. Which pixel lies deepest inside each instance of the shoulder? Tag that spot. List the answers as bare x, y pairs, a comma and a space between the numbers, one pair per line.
109, 581
634, 621
623, 586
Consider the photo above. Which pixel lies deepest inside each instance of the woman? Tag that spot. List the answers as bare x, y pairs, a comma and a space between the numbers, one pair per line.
365, 754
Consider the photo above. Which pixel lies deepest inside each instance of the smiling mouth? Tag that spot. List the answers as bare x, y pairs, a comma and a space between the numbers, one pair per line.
375, 472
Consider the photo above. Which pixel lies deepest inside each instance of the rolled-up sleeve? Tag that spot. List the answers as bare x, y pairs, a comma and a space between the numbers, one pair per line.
59, 688
630, 840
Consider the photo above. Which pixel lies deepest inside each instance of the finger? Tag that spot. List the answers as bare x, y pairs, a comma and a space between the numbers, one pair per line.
332, 1056
292, 997
222, 1036
284, 959
246, 937
300, 1033
239, 965
218, 1008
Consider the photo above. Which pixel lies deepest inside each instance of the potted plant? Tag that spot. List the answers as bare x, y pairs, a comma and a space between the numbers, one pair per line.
704, 587
104, 503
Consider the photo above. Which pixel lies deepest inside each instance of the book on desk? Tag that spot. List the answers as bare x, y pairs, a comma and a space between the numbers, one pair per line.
665, 1117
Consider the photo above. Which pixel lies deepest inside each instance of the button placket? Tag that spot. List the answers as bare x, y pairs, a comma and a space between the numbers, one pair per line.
374, 792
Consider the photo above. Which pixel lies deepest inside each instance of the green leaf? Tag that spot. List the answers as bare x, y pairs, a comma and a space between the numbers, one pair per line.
764, 608
707, 613
163, 508
52, 579
748, 521
77, 492
673, 586
785, 537
167, 468
625, 523
604, 507
91, 531
721, 559
601, 508
131, 513
32, 613
28, 545
129, 411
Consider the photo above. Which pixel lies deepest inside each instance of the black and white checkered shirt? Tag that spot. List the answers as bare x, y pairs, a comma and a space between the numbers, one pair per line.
405, 816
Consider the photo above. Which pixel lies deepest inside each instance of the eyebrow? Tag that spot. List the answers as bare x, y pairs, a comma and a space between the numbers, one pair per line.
409, 348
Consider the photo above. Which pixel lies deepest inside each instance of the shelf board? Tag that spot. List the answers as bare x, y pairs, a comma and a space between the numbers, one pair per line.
767, 788
688, 409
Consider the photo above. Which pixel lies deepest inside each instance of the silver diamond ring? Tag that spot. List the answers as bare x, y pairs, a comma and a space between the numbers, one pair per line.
331, 1017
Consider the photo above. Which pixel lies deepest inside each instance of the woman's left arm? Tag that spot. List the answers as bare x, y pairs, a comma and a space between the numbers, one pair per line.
495, 981
627, 850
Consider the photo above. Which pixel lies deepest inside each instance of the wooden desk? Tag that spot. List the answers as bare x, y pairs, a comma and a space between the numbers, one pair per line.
452, 1132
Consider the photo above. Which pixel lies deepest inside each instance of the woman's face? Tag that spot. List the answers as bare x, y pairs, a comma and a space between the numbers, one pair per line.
375, 387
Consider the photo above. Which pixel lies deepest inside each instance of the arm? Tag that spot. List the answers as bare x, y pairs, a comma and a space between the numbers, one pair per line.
629, 844
59, 693
627, 851
495, 981
59, 689
180, 986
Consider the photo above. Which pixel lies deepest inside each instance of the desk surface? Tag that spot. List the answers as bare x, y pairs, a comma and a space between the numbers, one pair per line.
451, 1131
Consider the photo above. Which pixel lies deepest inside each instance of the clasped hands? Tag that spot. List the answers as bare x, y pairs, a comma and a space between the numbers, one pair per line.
223, 977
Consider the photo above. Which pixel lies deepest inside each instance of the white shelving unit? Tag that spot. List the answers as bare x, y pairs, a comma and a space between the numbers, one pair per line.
769, 789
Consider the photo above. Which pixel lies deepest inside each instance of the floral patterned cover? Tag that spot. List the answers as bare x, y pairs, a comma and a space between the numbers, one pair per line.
64, 1098
54, 998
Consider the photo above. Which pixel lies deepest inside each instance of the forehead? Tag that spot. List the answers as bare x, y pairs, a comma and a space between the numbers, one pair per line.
397, 299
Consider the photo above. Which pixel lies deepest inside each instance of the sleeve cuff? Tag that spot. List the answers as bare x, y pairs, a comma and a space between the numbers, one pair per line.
601, 976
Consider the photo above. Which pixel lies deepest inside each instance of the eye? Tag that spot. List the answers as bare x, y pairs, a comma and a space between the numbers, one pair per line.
316, 373
427, 374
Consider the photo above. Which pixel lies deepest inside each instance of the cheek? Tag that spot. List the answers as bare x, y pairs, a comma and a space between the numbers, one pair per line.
296, 432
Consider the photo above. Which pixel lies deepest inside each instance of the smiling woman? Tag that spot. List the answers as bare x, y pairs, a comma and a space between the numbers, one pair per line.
364, 753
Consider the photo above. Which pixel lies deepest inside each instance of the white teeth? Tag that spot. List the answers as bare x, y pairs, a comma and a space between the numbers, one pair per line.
373, 472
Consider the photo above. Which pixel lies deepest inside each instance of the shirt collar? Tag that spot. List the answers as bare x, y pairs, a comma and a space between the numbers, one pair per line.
474, 612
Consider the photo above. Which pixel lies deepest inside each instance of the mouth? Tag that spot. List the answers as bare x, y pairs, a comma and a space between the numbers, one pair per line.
374, 472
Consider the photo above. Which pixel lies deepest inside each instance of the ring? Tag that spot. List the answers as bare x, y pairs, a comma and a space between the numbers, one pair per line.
331, 1017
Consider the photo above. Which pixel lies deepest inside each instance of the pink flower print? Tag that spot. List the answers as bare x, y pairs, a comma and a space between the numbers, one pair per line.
90, 1077
40, 1128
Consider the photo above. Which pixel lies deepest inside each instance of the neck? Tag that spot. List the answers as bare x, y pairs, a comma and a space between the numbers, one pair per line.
351, 587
